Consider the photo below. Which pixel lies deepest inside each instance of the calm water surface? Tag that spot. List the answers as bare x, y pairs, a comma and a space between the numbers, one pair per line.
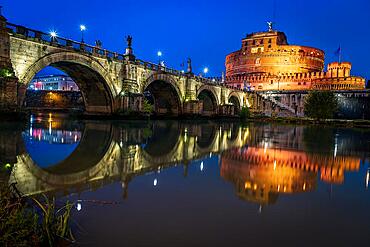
209, 183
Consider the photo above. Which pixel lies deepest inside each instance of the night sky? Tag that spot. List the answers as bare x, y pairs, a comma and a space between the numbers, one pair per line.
206, 31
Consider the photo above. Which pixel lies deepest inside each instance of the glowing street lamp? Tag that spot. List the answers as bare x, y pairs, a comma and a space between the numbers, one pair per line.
159, 54
205, 71
53, 35
82, 29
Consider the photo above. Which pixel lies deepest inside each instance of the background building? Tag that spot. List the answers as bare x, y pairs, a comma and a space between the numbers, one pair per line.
53, 82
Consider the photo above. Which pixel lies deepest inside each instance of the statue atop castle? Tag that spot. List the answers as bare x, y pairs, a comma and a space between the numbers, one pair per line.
270, 26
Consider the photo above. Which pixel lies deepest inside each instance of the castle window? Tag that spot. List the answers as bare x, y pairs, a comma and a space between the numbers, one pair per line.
269, 46
270, 41
254, 42
272, 82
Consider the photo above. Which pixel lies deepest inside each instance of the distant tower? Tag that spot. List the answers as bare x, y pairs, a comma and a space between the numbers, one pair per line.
342, 69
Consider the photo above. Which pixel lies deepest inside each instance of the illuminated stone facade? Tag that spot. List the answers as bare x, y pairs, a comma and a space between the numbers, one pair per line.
267, 62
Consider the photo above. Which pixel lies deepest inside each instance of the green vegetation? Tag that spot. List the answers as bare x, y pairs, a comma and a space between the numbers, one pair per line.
147, 107
321, 104
32, 222
245, 113
6, 72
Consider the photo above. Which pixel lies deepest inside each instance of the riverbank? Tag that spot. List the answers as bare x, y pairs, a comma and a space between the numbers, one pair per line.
349, 123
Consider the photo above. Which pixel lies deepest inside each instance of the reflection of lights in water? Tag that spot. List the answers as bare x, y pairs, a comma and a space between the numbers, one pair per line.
155, 182
49, 128
304, 186
31, 132
75, 138
78, 206
70, 133
62, 140
278, 187
201, 166
367, 178
210, 154
274, 165
336, 146
265, 148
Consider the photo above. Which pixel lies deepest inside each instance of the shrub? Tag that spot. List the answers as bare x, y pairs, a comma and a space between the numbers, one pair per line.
245, 113
321, 104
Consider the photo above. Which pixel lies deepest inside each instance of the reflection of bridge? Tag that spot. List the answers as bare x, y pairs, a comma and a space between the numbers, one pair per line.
118, 154
109, 82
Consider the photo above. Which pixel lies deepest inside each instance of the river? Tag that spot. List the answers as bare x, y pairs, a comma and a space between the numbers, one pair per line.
197, 183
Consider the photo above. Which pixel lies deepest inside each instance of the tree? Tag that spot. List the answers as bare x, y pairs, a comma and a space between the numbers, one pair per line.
321, 104
147, 107
244, 113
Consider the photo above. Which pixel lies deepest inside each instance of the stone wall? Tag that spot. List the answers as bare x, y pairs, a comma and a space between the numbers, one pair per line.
54, 100
8, 94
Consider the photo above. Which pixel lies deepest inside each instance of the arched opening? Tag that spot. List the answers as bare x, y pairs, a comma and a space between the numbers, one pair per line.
207, 136
52, 89
90, 77
68, 144
165, 136
235, 101
209, 102
164, 97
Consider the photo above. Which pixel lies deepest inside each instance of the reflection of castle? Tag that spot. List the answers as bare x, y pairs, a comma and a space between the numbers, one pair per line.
267, 62
261, 174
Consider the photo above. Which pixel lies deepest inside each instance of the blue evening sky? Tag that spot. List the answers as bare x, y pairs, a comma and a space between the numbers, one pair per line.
206, 31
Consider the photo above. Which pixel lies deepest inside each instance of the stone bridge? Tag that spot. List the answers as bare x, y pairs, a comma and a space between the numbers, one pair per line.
110, 82
120, 155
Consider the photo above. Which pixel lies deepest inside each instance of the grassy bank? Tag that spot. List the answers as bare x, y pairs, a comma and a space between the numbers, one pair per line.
356, 123
28, 221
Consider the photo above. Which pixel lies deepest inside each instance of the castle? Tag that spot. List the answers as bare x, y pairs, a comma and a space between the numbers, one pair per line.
267, 62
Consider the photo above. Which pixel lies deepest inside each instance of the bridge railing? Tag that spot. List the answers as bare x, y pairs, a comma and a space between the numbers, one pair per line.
57, 41
23, 32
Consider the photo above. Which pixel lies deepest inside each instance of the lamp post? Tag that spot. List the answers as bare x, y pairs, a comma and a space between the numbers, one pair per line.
205, 71
82, 29
159, 54
53, 36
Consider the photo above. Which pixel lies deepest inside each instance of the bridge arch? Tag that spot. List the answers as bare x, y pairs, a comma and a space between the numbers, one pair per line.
80, 166
208, 95
92, 78
165, 94
236, 101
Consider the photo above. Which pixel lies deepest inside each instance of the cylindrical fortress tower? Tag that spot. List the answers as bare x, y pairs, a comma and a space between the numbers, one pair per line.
269, 52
